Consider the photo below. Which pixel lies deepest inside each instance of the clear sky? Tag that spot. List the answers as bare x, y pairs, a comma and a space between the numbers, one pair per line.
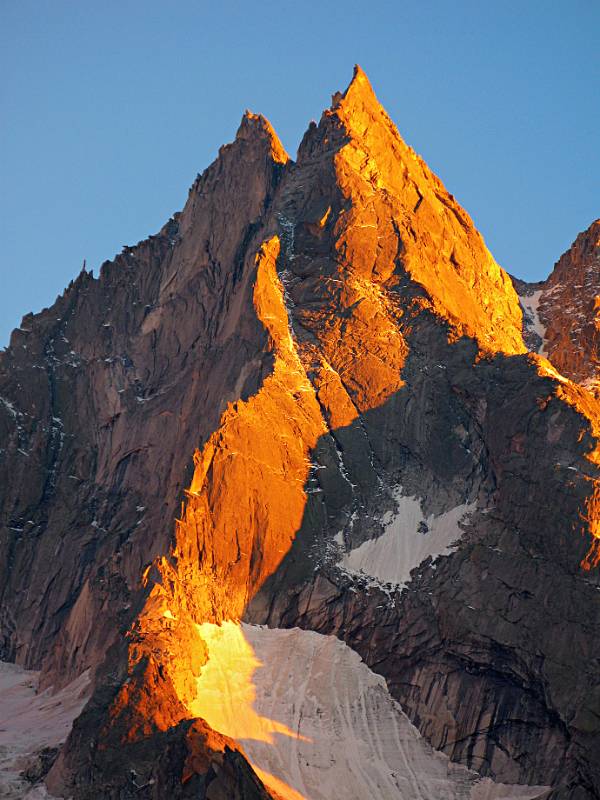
109, 109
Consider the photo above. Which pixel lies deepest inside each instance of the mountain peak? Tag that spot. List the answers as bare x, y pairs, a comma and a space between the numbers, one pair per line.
255, 126
358, 99
289, 407
386, 185
359, 88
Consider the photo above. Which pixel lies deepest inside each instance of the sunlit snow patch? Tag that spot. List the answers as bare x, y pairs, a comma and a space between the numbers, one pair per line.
317, 723
409, 538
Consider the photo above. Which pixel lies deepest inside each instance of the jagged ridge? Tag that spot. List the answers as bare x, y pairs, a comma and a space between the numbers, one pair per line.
326, 335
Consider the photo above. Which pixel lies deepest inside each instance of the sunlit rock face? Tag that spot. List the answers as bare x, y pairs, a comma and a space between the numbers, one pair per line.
105, 397
306, 404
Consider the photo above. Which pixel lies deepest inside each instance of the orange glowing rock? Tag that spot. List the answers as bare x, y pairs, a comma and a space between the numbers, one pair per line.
251, 121
380, 219
587, 404
397, 200
234, 534
592, 518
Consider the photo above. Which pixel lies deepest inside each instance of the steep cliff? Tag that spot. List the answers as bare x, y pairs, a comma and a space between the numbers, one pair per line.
561, 313
306, 403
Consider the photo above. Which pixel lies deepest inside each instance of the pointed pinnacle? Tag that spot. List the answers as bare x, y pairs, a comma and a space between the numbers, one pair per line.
255, 125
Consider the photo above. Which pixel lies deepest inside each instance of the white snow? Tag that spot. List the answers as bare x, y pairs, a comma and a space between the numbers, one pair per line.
317, 723
402, 547
288, 227
30, 721
9, 407
533, 322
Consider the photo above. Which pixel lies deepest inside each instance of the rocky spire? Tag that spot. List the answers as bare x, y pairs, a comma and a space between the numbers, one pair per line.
359, 93
387, 187
257, 127
297, 358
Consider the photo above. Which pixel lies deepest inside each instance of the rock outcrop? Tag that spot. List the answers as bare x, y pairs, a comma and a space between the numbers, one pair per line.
562, 312
307, 402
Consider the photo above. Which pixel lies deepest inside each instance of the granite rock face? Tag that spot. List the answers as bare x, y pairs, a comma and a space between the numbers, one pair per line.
307, 402
562, 312
105, 397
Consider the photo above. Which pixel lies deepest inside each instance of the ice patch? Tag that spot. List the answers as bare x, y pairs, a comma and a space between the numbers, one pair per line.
409, 538
30, 721
317, 723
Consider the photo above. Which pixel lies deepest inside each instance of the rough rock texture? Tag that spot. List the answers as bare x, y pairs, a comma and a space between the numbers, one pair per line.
104, 398
205, 431
567, 310
148, 747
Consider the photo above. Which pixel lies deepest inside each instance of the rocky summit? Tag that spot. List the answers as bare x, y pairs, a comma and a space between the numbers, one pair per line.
300, 499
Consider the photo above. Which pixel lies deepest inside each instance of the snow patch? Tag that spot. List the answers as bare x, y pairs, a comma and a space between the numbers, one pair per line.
317, 723
29, 722
9, 407
288, 230
409, 538
533, 324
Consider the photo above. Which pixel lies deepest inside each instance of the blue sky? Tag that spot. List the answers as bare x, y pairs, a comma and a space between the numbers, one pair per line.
110, 109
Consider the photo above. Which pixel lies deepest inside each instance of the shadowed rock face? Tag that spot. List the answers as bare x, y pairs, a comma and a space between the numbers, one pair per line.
563, 320
105, 396
213, 428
